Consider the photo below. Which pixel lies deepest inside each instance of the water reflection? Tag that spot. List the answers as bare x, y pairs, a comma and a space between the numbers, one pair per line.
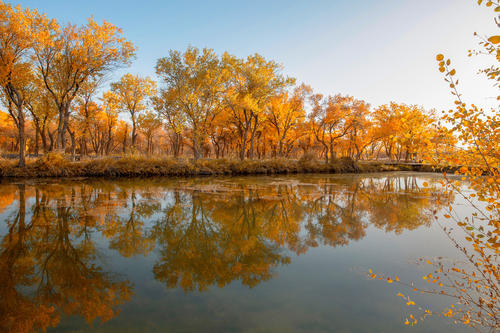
49, 264
201, 232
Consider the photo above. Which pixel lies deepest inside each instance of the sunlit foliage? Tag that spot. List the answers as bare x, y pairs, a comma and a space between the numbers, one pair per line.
54, 82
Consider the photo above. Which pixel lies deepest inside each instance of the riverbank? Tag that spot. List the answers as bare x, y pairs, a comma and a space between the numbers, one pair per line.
54, 165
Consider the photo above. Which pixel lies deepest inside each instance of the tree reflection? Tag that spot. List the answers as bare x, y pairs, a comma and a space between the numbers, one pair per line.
128, 235
399, 203
48, 268
202, 233
211, 235
214, 239
335, 215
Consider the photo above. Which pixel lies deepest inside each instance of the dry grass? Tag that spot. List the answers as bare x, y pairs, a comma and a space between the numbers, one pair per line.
381, 167
56, 165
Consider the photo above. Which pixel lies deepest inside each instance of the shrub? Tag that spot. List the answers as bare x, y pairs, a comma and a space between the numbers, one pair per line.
308, 157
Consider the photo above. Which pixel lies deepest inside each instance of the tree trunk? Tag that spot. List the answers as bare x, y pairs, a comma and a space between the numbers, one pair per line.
44, 138
51, 139
109, 140
325, 149
148, 144
280, 147
22, 138
332, 153
124, 147
196, 148
243, 143
37, 137
73, 143
175, 142
252, 137
60, 143
134, 134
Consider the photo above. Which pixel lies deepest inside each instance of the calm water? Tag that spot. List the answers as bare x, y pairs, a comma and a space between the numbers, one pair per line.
246, 254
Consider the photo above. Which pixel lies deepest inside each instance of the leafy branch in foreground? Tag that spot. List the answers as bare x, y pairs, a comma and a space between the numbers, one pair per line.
473, 284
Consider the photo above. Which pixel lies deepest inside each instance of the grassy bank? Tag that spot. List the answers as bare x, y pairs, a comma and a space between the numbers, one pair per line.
54, 165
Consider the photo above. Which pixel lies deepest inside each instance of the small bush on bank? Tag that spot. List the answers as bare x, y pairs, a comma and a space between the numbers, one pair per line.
52, 164
347, 164
308, 158
308, 161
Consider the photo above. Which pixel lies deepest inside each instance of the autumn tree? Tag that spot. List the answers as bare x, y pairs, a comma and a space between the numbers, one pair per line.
132, 96
223, 133
101, 128
329, 120
42, 113
87, 109
193, 87
110, 110
252, 83
360, 133
20, 30
167, 109
149, 124
285, 113
386, 125
414, 134
404, 130
122, 134
69, 57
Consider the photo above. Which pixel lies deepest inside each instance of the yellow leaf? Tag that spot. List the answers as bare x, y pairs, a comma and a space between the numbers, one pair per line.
439, 57
494, 39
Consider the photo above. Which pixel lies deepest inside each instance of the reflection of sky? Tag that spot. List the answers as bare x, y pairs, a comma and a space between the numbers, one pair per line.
375, 50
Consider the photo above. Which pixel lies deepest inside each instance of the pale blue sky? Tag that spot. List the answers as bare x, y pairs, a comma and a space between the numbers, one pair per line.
375, 50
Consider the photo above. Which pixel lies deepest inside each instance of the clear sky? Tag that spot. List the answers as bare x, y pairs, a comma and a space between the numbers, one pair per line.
377, 50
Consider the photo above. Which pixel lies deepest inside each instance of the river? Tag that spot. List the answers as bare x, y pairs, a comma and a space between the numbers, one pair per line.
228, 254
